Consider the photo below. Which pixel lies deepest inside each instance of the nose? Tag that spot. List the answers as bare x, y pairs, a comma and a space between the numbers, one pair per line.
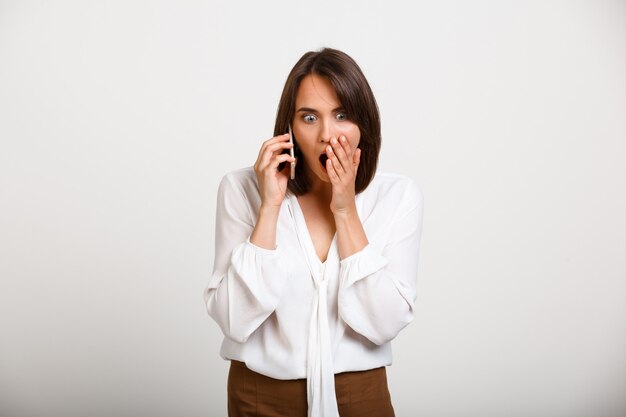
326, 130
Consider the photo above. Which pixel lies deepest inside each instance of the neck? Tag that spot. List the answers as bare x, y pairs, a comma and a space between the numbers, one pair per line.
320, 190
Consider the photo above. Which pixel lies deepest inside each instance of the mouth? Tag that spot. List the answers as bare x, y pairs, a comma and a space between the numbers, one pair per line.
323, 158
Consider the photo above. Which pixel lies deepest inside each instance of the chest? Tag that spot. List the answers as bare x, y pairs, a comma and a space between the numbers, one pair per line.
320, 224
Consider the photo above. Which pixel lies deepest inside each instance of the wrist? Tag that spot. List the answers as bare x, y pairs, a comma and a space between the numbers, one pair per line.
264, 233
351, 237
345, 212
269, 210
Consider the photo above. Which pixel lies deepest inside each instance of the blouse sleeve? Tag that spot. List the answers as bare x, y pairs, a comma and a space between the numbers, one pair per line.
247, 280
378, 284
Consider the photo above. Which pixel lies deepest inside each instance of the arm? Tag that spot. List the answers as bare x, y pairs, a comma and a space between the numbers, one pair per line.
247, 280
342, 165
378, 284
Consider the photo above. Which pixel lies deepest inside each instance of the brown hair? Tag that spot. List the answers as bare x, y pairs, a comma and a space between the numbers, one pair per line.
356, 98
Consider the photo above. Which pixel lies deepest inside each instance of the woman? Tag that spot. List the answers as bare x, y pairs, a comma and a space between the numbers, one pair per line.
313, 277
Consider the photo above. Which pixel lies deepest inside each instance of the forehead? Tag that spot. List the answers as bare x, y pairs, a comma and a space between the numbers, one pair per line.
316, 92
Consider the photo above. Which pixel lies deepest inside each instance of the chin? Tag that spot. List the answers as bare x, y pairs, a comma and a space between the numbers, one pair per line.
321, 175
318, 172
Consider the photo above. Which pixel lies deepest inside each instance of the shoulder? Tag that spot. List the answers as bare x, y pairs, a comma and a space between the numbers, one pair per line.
240, 185
243, 179
394, 189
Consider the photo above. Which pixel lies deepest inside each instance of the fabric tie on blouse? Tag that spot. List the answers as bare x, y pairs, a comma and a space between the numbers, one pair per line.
320, 374
321, 397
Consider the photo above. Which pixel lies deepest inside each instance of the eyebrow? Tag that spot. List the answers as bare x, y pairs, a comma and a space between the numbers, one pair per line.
310, 110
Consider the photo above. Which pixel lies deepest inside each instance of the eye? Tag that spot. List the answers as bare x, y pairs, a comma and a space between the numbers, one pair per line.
341, 116
309, 118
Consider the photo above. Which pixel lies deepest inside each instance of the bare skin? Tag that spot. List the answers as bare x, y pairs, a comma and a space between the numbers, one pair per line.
321, 126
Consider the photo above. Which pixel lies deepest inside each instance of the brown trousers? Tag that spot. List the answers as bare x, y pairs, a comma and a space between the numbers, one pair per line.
359, 394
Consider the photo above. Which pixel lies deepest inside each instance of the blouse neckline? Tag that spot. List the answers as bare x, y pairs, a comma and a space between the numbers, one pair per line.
305, 235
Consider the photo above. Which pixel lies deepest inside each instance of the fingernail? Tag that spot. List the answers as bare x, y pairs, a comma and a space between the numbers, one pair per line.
329, 149
343, 138
333, 141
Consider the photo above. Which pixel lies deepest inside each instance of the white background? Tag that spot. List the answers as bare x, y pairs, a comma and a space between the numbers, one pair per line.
119, 118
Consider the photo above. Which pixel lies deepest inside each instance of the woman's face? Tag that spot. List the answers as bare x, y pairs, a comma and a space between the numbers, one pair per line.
319, 117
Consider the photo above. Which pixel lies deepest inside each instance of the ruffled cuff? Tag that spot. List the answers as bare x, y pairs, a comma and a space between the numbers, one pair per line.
263, 250
261, 271
360, 265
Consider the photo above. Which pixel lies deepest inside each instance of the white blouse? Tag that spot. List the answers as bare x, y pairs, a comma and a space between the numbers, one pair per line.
288, 315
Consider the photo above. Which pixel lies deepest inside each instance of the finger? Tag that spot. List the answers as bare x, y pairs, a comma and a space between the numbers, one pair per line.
279, 138
271, 151
330, 169
333, 158
277, 147
283, 157
275, 139
356, 157
346, 146
335, 152
292, 167
343, 152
